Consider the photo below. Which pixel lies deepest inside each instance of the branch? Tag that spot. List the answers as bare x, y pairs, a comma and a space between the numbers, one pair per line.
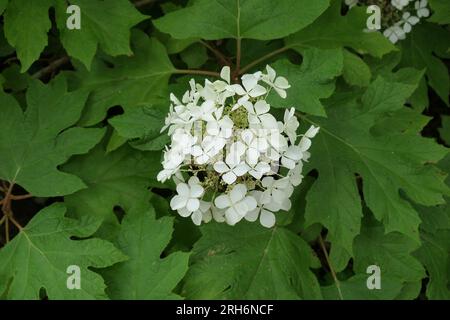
14, 221
142, 3
219, 55
199, 72
21, 197
336, 280
7, 198
263, 58
51, 67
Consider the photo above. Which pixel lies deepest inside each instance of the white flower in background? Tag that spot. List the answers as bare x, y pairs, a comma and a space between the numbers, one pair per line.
291, 156
291, 125
203, 213
256, 111
258, 170
249, 89
239, 162
265, 212
400, 4
394, 33
393, 28
421, 7
254, 146
408, 21
187, 199
280, 84
295, 175
351, 3
231, 169
236, 204
278, 191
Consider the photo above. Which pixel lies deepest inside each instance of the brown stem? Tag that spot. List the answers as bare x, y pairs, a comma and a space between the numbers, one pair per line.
6, 199
51, 67
263, 58
333, 274
219, 55
21, 197
142, 3
7, 230
200, 72
238, 57
2, 220
14, 221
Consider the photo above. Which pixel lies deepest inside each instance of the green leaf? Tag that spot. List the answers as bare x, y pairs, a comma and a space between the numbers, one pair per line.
38, 257
356, 72
391, 252
38, 140
445, 130
194, 56
331, 30
435, 250
441, 11
29, 39
248, 261
386, 163
145, 275
3, 4
238, 19
104, 24
419, 51
118, 178
132, 81
143, 125
355, 288
310, 82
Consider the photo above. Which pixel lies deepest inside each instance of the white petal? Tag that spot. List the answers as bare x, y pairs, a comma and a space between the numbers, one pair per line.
184, 212
229, 177
238, 193
178, 202
270, 73
261, 107
282, 93
288, 163
193, 205
252, 156
304, 144
238, 89
197, 218
247, 136
221, 167
241, 169
294, 153
249, 82
252, 215
312, 131
282, 83
257, 91
196, 191
183, 190
268, 121
225, 73
232, 216
222, 201
267, 219
250, 203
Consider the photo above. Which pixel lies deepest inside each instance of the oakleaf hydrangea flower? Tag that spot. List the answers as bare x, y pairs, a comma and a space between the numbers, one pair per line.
398, 16
239, 160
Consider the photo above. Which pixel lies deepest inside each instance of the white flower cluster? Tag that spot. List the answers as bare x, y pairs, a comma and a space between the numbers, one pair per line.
398, 29
229, 156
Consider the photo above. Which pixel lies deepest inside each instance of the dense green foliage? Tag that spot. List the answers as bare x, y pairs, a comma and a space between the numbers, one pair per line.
80, 148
